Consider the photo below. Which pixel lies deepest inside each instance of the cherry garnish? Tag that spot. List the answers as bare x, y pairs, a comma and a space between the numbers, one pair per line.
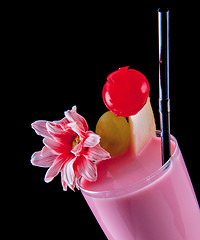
125, 92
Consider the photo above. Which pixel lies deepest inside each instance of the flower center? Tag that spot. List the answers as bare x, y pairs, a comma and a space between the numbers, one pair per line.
75, 142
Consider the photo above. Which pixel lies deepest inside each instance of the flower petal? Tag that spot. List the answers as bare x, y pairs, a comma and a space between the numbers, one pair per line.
97, 153
54, 146
78, 128
63, 137
92, 139
55, 168
44, 158
63, 123
54, 128
77, 149
40, 128
73, 116
68, 174
87, 169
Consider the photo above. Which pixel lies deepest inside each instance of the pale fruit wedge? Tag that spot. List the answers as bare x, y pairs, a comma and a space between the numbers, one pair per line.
142, 128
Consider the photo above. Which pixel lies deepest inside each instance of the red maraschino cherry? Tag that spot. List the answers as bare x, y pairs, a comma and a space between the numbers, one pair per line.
125, 92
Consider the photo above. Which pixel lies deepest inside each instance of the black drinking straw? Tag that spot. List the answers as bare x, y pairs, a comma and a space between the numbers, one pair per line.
164, 101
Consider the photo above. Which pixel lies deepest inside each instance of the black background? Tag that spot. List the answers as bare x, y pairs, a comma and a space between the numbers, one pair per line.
62, 57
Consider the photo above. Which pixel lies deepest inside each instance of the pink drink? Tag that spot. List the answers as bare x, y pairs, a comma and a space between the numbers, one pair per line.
138, 199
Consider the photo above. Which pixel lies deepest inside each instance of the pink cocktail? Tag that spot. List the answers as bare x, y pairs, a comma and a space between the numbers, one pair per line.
139, 199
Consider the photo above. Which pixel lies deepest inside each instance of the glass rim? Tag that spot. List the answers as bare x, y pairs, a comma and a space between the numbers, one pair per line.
139, 185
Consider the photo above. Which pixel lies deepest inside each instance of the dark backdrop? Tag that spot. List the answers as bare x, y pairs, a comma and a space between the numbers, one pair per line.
63, 58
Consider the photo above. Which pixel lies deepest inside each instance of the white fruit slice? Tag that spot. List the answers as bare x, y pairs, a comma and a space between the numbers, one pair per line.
142, 128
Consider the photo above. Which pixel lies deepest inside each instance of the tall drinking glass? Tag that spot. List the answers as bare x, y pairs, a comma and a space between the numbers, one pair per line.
160, 206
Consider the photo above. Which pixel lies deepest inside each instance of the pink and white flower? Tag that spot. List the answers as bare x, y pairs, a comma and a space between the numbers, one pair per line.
69, 148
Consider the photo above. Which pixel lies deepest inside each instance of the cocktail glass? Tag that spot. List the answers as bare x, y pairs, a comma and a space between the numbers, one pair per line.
161, 206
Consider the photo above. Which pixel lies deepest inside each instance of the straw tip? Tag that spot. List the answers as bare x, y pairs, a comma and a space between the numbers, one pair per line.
163, 10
